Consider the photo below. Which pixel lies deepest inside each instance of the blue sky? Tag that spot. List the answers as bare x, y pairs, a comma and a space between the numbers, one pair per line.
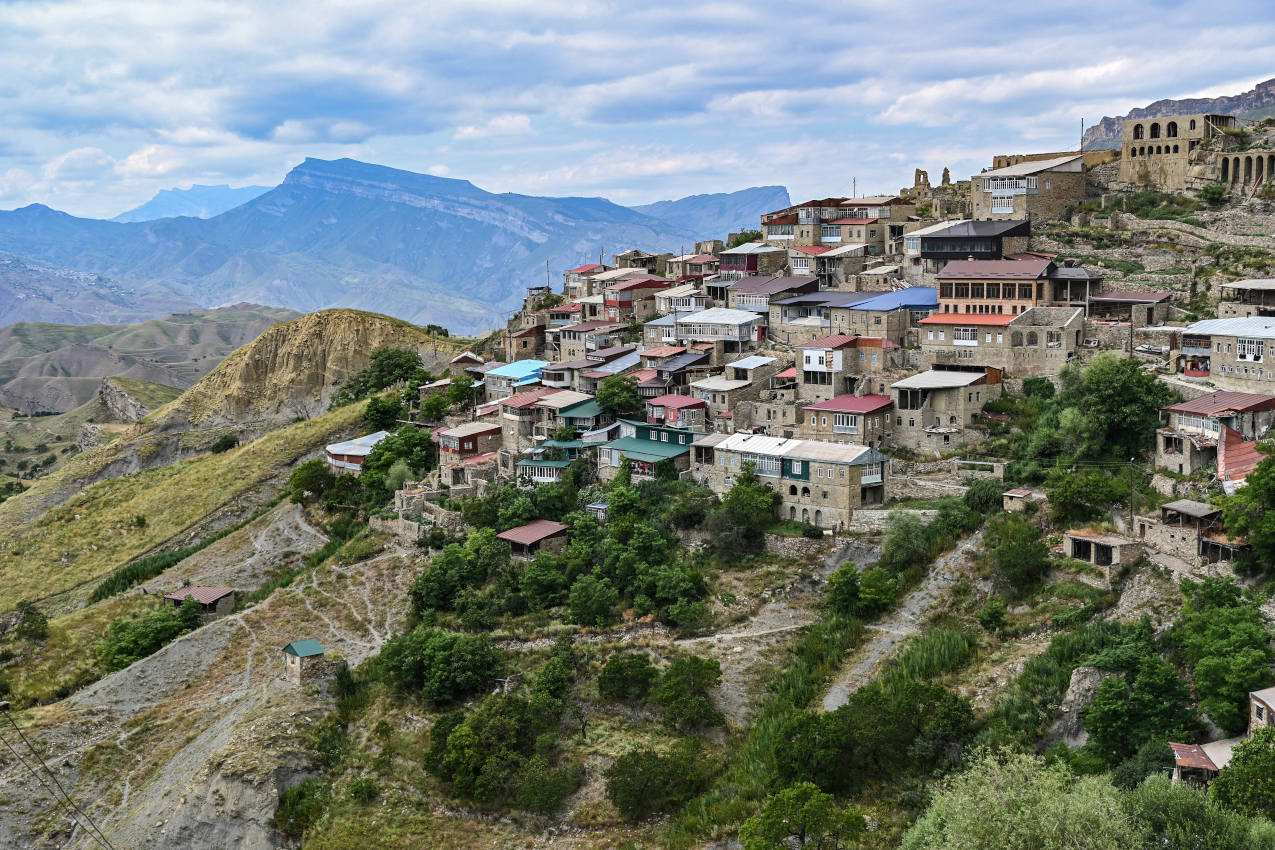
104, 103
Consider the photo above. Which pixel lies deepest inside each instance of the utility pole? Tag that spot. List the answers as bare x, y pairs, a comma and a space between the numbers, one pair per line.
1131, 495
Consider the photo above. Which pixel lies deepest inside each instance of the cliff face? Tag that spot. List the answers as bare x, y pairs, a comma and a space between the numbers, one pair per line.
1106, 133
292, 370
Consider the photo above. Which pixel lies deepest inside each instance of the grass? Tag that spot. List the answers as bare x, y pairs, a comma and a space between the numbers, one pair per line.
349, 549
931, 654
95, 532
143, 569
150, 394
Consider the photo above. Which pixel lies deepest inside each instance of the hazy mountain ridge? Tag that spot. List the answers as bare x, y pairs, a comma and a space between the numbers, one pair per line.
197, 202
350, 234
1257, 102
713, 216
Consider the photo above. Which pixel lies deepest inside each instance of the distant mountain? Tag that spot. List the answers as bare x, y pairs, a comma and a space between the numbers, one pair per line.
196, 202
40, 292
350, 234
1252, 105
713, 216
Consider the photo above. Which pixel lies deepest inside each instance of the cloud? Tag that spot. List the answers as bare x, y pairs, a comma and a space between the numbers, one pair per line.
80, 164
499, 125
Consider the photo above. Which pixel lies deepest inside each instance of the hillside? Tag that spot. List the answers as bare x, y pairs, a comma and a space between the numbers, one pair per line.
714, 216
1252, 105
350, 234
33, 291
49, 367
196, 202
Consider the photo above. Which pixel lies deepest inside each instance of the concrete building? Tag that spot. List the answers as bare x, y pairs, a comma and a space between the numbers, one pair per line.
1033, 190
1037, 342
1013, 285
818, 483
863, 419
801, 318
895, 316
1247, 298
934, 409
1160, 153
834, 365
1188, 442
686, 298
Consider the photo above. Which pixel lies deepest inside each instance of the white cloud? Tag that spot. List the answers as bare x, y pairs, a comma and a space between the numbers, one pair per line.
80, 164
499, 125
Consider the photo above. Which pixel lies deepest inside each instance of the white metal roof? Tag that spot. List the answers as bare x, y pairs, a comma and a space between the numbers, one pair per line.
935, 228
937, 380
720, 316
566, 398
753, 248
719, 384
359, 446
751, 362
1260, 327
855, 249
761, 444
1035, 166
468, 429
679, 291
618, 274
816, 450
881, 270
1263, 283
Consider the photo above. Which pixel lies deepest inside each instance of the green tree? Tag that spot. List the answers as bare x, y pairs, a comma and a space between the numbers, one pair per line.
1125, 715
382, 413
398, 474
410, 444
1016, 552
1247, 784
1041, 388
592, 601
1011, 801
441, 666
1123, 402
843, 590
1250, 513
643, 782
738, 526
985, 495
993, 617
684, 692
626, 675
906, 543
1177, 816
128, 640
743, 237
310, 481
618, 397
1212, 193
32, 623
1076, 497
387, 366
804, 815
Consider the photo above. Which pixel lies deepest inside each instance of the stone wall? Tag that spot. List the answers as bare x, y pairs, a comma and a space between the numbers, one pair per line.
1120, 220
873, 522
398, 526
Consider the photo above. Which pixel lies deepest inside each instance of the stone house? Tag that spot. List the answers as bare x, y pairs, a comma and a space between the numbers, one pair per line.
1161, 153
656, 264
525, 343
835, 221
632, 299
818, 483
834, 365
509, 378
1188, 441
802, 318
927, 250
1143, 309
675, 374
1013, 285
1231, 353
519, 415
303, 661
213, 601
750, 260
457, 365
1192, 531
645, 445
686, 298
1102, 549
934, 409
865, 419
541, 535
459, 443
1037, 342
734, 331
579, 282
1245, 298
549, 418
756, 293
1035, 190
722, 394
896, 315
699, 265
575, 342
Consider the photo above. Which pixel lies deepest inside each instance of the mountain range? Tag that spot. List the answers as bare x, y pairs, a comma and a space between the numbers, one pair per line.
197, 202
344, 233
1253, 105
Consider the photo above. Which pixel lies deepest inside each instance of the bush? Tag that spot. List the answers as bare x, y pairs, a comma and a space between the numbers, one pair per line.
993, 615
1245, 785
684, 689
32, 624
301, 806
643, 782
626, 675
843, 590
1041, 388
905, 544
1212, 193
1016, 552
381, 414
802, 814
441, 666
985, 495
592, 601
128, 640
224, 443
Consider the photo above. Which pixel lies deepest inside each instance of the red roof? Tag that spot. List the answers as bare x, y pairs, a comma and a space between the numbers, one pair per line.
528, 398
569, 307
853, 221
202, 595
853, 404
991, 320
700, 259
663, 351
638, 283
1221, 401
534, 330
834, 341
811, 249
644, 375
1192, 755
677, 402
1028, 268
790, 372
590, 267
790, 218
1236, 457
533, 532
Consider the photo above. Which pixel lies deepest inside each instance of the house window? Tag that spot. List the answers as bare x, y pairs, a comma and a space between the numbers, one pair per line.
931, 334
797, 467
1250, 349
965, 336
1002, 203
664, 436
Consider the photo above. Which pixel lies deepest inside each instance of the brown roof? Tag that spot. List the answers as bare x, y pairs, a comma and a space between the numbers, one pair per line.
533, 532
593, 325
770, 285
202, 595
1222, 400
1028, 268
1192, 755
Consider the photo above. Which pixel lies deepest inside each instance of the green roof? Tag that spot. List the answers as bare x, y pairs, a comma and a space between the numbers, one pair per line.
648, 450
304, 648
582, 410
563, 444
560, 464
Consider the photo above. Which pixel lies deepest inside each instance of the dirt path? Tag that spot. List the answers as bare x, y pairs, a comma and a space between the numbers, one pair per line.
905, 621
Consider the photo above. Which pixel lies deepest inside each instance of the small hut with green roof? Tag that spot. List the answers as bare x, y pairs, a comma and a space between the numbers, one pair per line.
303, 661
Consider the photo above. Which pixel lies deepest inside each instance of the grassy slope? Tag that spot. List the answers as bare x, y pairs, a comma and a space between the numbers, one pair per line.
152, 395
96, 531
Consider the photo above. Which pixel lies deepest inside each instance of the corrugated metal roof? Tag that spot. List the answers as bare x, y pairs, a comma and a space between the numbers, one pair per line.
752, 248
565, 398
202, 595
359, 446
677, 402
469, 429
1134, 297
304, 648
770, 285
1024, 269
981, 227
880, 270
1191, 508
751, 362
719, 384
988, 319
855, 250
853, 404
648, 450
721, 316
1023, 169
914, 297
518, 369
936, 228
939, 379
1255, 284
1221, 401
1257, 327
1192, 755
833, 341
533, 532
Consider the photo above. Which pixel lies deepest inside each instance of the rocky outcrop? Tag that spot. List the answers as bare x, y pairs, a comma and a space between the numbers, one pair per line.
119, 404
1106, 133
1070, 725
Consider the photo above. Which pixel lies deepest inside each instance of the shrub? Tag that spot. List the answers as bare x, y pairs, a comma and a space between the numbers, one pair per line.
626, 675
643, 782
224, 443
985, 495
1016, 552
128, 640
804, 815
441, 666
684, 689
1212, 193
592, 601
993, 615
32, 624
1041, 388
301, 806
363, 789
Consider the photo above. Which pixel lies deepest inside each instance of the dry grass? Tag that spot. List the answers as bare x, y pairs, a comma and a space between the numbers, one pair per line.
97, 530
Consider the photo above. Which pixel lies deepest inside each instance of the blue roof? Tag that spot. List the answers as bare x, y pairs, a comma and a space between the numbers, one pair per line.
304, 648
916, 297
519, 369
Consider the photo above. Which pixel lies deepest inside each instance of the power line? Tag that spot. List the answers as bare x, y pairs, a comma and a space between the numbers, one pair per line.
92, 828
56, 799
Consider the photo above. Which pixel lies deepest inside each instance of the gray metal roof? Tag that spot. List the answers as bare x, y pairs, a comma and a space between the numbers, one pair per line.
938, 379
753, 248
1265, 284
1258, 327
1035, 166
1191, 508
720, 316
751, 362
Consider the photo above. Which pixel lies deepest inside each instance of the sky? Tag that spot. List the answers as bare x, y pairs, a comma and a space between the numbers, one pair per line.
102, 104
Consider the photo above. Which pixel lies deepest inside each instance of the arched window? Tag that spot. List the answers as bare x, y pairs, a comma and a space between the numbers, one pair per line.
1175, 148
1192, 123
951, 420
1226, 169
1159, 149
792, 513
792, 489
1137, 131
1171, 130
1155, 131
805, 515
805, 491
1142, 150
819, 518
1016, 339
1133, 152
1032, 338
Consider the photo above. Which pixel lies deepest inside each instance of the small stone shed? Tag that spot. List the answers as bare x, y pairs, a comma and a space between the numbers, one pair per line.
303, 661
1101, 548
214, 601
1017, 500
542, 534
